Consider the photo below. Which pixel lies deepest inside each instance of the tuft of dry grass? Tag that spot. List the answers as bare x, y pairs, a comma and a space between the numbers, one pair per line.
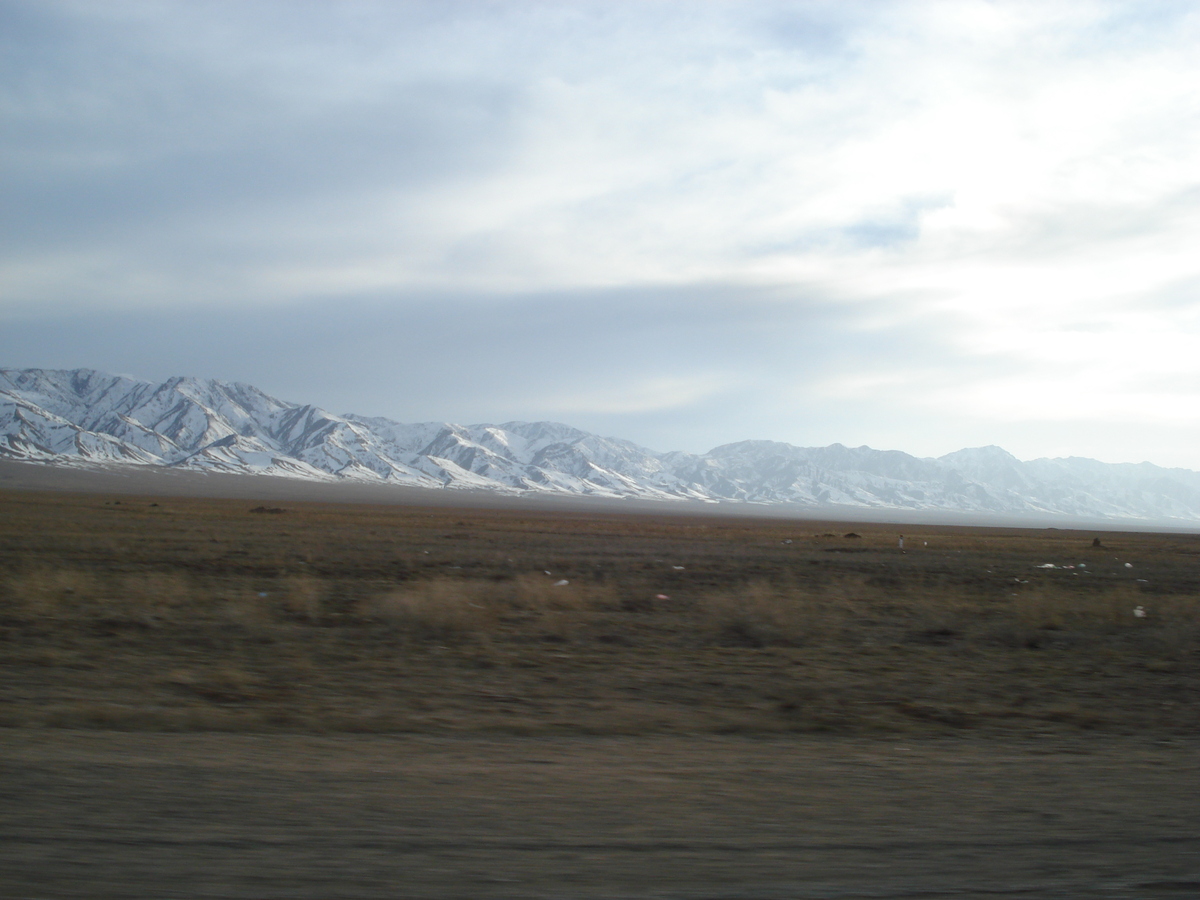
762, 615
442, 610
152, 595
68, 593
46, 592
539, 592
1042, 616
224, 684
303, 598
247, 608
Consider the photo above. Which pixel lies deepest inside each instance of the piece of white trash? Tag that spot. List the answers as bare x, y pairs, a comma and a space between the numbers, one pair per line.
677, 568
1129, 565
1140, 612
661, 597
561, 582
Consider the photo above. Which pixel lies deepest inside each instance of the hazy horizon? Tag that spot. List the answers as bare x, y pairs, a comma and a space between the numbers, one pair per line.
916, 226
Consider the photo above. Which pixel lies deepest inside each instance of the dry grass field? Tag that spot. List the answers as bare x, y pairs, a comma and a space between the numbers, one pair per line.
199, 615
234, 699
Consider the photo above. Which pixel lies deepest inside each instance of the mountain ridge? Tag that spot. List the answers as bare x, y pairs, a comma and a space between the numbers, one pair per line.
83, 416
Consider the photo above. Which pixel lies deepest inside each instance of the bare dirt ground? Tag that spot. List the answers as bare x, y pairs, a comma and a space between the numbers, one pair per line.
210, 698
104, 815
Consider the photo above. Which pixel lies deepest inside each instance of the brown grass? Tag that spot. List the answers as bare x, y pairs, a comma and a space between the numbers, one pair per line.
199, 615
839, 611
438, 610
761, 615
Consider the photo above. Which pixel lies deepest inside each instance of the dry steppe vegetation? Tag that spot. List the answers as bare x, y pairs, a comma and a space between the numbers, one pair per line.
185, 614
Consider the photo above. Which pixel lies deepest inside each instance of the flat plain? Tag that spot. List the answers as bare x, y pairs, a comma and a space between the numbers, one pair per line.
223, 698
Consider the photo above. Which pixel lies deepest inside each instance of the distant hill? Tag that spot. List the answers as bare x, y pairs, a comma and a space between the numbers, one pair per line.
89, 418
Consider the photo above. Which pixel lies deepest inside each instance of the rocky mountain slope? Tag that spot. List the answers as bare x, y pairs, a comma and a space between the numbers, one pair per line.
84, 417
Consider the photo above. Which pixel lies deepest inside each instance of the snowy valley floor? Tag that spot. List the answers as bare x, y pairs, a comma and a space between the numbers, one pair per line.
225, 698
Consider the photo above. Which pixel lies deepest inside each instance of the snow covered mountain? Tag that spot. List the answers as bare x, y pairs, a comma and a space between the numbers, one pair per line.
84, 417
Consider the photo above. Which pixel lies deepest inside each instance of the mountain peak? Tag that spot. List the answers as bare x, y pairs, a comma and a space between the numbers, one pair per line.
991, 451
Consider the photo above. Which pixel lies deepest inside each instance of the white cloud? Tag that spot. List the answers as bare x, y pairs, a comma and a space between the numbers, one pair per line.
648, 144
1018, 180
642, 395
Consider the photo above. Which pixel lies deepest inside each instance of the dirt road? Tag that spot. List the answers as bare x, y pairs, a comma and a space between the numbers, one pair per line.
111, 815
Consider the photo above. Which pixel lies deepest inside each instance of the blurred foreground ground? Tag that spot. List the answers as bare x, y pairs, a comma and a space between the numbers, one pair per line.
104, 815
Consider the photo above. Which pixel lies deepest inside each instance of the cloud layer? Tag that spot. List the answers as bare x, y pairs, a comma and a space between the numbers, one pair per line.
917, 225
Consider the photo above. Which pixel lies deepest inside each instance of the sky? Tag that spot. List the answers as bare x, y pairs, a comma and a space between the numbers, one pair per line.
918, 226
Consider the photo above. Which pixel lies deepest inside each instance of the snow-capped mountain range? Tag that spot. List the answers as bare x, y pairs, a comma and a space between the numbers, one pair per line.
85, 417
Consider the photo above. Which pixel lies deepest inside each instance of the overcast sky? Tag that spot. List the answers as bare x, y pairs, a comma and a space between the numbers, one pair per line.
915, 225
